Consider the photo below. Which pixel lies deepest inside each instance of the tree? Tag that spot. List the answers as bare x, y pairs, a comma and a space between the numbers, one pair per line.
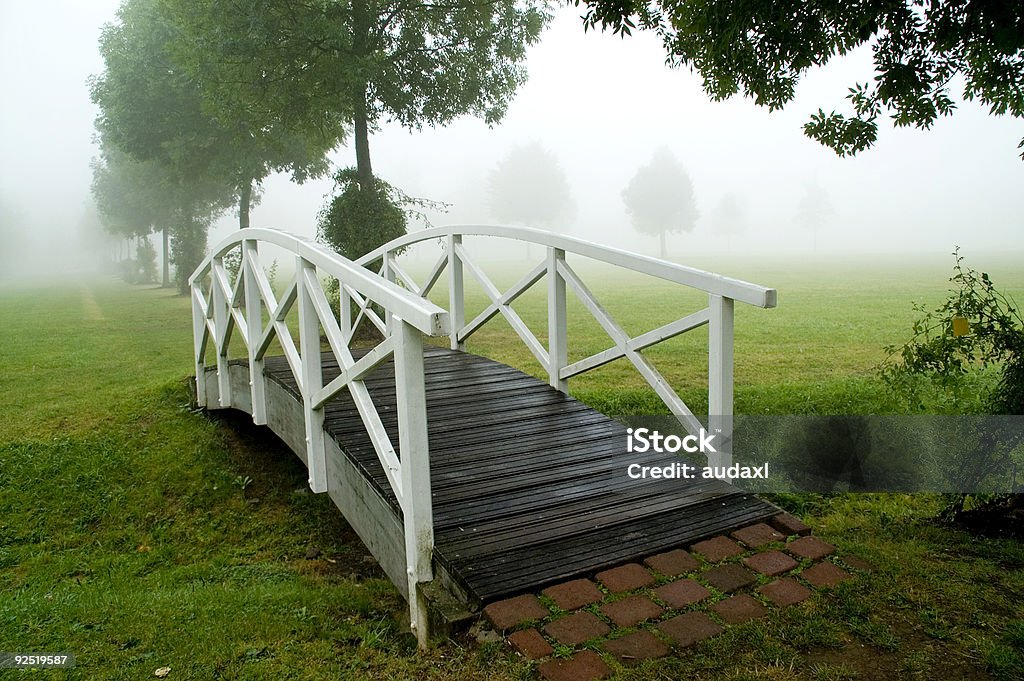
729, 217
528, 187
762, 49
151, 111
660, 199
814, 211
413, 62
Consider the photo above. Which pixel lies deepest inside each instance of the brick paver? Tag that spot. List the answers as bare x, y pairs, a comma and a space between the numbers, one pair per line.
756, 536
729, 577
785, 591
825, 574
636, 647
673, 563
789, 525
512, 612
771, 563
631, 610
681, 593
717, 548
583, 666
577, 628
689, 628
574, 594
625, 578
530, 644
739, 609
810, 547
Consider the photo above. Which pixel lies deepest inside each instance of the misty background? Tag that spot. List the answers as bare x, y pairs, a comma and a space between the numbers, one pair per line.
601, 105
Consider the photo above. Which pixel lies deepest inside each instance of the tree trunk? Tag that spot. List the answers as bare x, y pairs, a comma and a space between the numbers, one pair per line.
167, 264
360, 122
244, 202
662, 236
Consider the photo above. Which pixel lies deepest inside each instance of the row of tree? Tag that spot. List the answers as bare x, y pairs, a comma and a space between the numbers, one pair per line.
200, 100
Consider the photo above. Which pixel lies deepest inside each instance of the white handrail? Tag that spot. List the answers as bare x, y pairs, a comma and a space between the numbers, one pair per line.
219, 306
718, 315
758, 296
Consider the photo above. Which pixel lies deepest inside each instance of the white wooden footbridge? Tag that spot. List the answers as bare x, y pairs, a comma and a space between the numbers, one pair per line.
468, 480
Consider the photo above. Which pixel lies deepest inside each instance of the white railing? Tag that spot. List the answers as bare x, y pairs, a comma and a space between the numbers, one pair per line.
220, 306
718, 315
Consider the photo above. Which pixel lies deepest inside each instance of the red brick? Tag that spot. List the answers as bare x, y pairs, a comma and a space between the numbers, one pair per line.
585, 665
717, 548
673, 563
636, 647
729, 577
631, 610
577, 628
530, 644
574, 594
809, 547
825, 574
789, 525
757, 536
770, 563
857, 563
512, 612
739, 609
689, 628
785, 591
625, 578
681, 593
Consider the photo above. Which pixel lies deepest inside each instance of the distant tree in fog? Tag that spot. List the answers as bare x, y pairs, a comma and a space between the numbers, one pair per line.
729, 217
528, 187
814, 211
660, 199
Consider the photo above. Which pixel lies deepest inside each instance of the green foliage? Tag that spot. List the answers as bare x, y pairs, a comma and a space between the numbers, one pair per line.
355, 220
145, 257
763, 49
188, 246
938, 352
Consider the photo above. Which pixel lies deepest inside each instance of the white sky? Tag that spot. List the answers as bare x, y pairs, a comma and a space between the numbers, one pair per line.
602, 105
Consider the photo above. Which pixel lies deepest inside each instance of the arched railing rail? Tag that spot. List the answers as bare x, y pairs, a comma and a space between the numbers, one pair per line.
240, 297
718, 315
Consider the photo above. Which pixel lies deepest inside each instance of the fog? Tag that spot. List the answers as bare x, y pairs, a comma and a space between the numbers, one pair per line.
602, 105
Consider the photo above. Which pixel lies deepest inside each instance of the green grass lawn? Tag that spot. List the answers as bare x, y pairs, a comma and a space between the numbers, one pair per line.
138, 533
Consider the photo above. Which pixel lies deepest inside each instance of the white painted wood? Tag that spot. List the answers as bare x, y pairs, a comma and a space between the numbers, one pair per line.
720, 376
355, 371
645, 340
417, 508
345, 312
558, 338
621, 340
456, 291
365, 312
254, 329
506, 299
200, 334
755, 295
435, 273
312, 375
222, 323
387, 271
510, 315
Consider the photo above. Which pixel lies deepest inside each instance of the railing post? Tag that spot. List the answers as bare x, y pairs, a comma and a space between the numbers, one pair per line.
557, 324
254, 328
388, 274
417, 507
220, 323
345, 312
198, 330
312, 376
456, 292
720, 377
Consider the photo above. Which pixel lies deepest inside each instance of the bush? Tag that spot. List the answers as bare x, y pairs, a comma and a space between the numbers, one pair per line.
356, 221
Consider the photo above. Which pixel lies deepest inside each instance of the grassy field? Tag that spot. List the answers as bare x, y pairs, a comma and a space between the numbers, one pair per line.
138, 533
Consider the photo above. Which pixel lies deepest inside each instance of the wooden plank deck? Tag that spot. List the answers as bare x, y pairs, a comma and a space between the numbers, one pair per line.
529, 484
